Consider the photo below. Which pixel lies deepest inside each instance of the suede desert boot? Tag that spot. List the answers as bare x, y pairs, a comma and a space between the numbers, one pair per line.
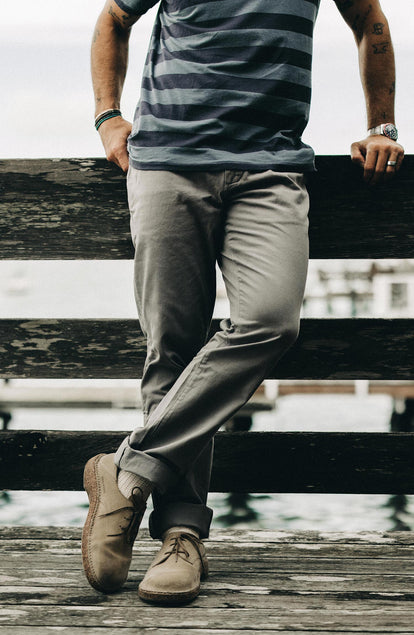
174, 575
111, 525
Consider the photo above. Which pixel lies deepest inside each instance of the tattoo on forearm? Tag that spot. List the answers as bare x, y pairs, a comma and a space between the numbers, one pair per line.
380, 48
378, 28
391, 89
96, 34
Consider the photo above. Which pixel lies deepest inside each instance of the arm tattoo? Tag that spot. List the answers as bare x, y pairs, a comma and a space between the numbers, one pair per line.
123, 21
380, 48
378, 28
96, 34
391, 89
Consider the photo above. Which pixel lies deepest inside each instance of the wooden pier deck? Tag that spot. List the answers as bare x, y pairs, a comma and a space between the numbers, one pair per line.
260, 582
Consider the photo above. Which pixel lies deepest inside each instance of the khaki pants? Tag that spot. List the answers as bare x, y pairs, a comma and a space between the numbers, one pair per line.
254, 224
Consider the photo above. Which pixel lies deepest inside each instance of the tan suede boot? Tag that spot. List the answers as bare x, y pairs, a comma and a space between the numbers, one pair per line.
111, 525
174, 575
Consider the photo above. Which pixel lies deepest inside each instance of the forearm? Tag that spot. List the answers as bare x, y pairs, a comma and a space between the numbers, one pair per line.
377, 69
109, 61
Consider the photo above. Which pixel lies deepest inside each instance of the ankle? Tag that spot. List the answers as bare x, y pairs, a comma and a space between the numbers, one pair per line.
128, 482
181, 529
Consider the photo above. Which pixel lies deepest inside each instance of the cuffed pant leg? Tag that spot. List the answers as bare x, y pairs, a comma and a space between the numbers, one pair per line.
185, 504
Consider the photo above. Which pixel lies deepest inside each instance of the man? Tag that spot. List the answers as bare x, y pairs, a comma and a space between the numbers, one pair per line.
216, 171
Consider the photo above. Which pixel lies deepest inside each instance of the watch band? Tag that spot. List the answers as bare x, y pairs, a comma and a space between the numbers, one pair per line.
386, 129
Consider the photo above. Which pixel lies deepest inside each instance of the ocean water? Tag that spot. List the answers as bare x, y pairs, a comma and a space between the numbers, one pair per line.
324, 512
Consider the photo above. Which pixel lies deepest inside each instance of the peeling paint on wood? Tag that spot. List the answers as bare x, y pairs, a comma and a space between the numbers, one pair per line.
115, 348
77, 208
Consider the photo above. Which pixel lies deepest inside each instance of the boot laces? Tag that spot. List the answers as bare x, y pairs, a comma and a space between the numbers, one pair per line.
178, 548
133, 519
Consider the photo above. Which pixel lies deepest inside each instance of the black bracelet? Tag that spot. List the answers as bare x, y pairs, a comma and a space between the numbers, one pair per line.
107, 114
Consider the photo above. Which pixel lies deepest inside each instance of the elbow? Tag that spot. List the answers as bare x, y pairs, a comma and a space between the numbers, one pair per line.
109, 24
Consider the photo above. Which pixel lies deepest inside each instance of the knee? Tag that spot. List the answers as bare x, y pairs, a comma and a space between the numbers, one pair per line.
290, 332
279, 331
285, 331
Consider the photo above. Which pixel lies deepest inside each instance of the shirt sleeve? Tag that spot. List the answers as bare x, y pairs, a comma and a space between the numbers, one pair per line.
136, 7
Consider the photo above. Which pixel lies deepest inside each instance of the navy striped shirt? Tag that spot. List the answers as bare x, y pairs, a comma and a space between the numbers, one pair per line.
226, 84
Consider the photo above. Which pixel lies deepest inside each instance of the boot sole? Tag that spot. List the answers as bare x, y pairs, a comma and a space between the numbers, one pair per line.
173, 598
91, 486
168, 598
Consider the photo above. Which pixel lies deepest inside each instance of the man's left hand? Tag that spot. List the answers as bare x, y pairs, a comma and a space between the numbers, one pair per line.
373, 155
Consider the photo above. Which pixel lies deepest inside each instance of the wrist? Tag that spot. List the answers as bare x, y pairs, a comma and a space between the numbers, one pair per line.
388, 130
109, 113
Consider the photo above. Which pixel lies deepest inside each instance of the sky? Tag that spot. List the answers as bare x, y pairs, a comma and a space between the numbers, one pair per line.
46, 101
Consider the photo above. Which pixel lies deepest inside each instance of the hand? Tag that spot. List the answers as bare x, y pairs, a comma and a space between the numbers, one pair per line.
373, 153
114, 133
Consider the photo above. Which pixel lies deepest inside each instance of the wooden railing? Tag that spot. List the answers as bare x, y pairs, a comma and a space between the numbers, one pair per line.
76, 209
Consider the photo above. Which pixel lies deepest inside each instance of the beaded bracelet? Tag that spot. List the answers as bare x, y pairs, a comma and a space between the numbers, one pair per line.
106, 114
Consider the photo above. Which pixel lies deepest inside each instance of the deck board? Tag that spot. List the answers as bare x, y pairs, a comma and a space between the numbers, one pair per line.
260, 581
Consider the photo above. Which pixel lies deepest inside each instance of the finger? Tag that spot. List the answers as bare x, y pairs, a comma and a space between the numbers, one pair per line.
380, 166
122, 157
399, 159
356, 155
119, 156
124, 162
391, 166
370, 163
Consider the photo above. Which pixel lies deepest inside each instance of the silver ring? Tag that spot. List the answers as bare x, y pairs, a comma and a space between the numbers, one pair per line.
392, 163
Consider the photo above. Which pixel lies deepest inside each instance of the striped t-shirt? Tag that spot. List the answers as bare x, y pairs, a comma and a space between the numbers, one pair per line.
226, 84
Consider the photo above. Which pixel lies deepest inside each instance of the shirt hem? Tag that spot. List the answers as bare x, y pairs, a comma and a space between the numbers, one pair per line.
226, 165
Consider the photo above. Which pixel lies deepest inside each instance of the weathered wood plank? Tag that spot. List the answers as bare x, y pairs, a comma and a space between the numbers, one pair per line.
224, 585
115, 348
216, 596
329, 462
229, 537
245, 552
80, 630
77, 208
252, 572
304, 613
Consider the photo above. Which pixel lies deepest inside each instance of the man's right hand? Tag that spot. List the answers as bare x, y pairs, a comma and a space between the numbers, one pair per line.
114, 133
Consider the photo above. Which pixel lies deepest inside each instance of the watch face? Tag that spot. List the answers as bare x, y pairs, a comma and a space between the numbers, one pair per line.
391, 132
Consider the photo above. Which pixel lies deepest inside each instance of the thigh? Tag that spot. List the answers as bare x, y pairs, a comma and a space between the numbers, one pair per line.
175, 231
265, 249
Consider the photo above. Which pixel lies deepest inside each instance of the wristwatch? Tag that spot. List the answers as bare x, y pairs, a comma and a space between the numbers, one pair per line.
386, 129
